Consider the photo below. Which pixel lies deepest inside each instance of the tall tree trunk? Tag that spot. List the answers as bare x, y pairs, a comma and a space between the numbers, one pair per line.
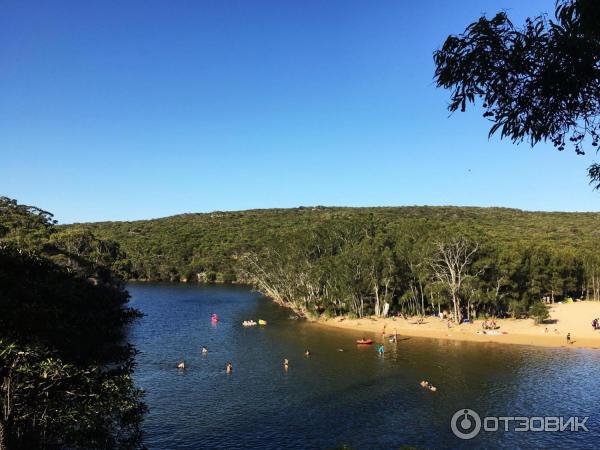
422, 299
455, 304
469, 310
3, 436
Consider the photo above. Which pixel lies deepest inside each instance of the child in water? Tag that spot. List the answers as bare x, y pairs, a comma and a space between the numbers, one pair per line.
381, 349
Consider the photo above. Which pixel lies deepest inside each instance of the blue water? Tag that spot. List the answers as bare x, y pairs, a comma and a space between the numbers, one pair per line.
334, 398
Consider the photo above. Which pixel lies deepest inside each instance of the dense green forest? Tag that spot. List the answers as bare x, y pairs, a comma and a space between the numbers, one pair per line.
65, 371
363, 261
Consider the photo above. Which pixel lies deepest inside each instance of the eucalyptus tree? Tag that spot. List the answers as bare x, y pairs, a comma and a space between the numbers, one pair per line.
26, 226
451, 266
537, 82
591, 283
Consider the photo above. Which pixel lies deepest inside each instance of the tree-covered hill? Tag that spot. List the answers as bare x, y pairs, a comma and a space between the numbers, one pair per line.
207, 247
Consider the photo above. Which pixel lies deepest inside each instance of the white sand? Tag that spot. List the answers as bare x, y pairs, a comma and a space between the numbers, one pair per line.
574, 318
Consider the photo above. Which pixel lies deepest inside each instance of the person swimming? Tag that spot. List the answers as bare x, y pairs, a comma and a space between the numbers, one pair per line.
229, 367
204, 350
181, 365
427, 385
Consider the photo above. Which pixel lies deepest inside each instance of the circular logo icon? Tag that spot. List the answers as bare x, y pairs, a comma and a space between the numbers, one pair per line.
465, 424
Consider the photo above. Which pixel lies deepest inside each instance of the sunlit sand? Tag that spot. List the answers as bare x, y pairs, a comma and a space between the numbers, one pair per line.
573, 318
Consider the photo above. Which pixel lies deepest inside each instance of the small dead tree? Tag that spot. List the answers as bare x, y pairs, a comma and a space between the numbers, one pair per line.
450, 265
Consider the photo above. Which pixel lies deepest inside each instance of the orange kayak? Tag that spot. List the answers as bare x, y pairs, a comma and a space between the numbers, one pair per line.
364, 341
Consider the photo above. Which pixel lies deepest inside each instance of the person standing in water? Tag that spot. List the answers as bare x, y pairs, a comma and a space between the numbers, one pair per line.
381, 349
204, 350
286, 364
307, 353
229, 367
568, 338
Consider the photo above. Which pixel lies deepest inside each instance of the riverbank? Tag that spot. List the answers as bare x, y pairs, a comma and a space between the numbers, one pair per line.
573, 318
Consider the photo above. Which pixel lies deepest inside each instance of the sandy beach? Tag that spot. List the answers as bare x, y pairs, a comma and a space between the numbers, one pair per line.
574, 318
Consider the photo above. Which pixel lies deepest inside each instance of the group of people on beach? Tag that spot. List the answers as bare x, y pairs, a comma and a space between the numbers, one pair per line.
548, 331
489, 324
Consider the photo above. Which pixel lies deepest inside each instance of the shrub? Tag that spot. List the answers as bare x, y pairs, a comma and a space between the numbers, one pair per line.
517, 308
328, 314
211, 277
312, 315
539, 312
229, 277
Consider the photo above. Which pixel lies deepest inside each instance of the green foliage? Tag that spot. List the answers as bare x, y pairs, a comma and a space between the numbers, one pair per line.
65, 370
31, 229
357, 260
47, 401
192, 244
539, 312
335, 268
517, 308
537, 82
27, 227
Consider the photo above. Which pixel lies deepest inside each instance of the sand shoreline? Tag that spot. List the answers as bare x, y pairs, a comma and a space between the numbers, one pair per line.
573, 318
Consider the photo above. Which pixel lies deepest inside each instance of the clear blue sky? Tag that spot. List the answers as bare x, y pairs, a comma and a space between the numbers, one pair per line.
117, 110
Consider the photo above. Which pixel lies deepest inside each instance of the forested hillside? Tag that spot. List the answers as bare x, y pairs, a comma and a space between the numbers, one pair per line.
208, 245
357, 260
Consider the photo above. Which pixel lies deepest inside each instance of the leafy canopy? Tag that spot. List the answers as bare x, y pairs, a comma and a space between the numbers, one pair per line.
537, 82
65, 366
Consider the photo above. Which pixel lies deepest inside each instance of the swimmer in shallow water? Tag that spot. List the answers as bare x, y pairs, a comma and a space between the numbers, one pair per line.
229, 367
286, 364
204, 350
181, 365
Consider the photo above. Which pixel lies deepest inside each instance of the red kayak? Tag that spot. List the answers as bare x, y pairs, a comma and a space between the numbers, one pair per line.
364, 341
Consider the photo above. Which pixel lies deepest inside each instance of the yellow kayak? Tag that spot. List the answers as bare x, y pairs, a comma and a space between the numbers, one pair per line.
262, 322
